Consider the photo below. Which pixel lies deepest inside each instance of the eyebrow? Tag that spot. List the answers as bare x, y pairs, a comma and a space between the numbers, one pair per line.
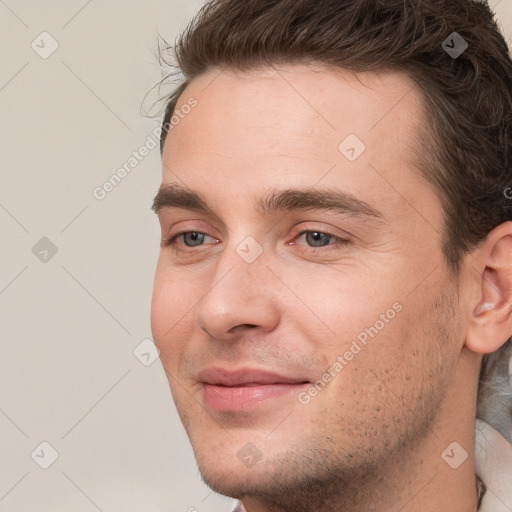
335, 201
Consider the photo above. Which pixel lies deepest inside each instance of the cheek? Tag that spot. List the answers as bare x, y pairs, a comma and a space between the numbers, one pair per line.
161, 309
380, 337
387, 381
337, 310
171, 311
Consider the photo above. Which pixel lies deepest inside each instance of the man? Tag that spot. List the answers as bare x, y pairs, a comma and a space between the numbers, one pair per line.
336, 255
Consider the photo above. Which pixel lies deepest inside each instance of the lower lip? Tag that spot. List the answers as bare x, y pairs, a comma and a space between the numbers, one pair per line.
223, 398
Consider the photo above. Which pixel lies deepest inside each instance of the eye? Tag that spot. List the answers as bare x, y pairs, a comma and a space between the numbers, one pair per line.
314, 240
188, 238
318, 239
193, 238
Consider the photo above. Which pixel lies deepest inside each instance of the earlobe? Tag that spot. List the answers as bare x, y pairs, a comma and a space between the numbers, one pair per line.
491, 320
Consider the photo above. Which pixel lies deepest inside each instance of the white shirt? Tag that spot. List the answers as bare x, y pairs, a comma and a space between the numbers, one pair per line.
493, 462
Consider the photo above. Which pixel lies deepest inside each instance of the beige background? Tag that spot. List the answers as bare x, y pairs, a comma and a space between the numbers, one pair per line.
69, 324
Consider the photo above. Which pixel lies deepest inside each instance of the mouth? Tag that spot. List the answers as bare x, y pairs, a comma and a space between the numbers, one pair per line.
245, 388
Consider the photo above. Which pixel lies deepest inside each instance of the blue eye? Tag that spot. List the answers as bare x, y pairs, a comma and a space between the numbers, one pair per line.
314, 240
317, 238
188, 239
319, 242
193, 238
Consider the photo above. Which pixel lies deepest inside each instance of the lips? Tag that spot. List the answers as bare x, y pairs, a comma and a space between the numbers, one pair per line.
244, 376
245, 388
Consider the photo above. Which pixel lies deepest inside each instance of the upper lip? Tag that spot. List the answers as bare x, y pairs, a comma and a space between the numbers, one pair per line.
244, 376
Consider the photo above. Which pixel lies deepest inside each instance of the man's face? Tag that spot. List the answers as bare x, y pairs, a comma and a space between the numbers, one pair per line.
301, 342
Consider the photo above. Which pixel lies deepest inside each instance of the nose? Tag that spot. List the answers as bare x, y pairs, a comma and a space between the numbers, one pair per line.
241, 297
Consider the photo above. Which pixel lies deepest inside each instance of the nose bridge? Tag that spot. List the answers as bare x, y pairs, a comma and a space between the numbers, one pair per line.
240, 271
242, 261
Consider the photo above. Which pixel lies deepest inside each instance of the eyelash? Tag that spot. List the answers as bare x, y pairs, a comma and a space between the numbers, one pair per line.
171, 241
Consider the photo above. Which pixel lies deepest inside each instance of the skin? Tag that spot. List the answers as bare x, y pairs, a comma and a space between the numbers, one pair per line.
372, 438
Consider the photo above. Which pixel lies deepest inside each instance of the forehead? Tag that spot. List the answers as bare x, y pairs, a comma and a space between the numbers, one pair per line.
299, 126
304, 101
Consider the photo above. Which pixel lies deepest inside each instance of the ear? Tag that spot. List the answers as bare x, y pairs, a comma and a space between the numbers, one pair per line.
490, 323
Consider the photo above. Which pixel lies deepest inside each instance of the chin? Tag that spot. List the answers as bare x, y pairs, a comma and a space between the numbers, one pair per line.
233, 482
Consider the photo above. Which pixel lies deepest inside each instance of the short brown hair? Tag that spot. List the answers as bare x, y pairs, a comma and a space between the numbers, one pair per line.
467, 140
